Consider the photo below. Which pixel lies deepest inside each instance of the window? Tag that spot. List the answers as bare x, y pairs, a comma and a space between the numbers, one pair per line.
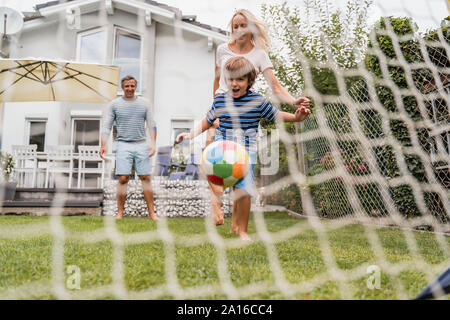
180, 126
36, 133
86, 132
182, 150
127, 55
92, 46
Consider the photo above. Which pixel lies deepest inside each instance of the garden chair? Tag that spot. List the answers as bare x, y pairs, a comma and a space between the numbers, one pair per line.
59, 161
26, 163
86, 155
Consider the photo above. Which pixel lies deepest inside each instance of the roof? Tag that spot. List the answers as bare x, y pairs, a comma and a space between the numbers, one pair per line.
177, 12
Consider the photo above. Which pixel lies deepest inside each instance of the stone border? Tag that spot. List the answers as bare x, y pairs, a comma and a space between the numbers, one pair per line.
173, 198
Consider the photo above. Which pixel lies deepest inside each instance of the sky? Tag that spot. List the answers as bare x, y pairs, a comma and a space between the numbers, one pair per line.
426, 13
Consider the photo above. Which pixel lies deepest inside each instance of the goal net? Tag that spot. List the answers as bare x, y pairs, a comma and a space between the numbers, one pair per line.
371, 160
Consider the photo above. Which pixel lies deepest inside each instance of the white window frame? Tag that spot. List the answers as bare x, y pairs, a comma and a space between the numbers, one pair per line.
180, 124
28, 121
87, 117
118, 29
90, 31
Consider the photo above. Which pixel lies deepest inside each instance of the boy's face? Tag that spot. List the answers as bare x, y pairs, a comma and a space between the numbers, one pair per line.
129, 87
238, 86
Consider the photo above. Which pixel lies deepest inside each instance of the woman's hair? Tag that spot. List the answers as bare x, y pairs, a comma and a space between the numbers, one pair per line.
239, 67
257, 28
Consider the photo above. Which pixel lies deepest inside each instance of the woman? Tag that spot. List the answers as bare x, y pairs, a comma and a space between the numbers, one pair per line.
248, 39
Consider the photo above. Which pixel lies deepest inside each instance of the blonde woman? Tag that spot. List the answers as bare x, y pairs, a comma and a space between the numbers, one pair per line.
249, 39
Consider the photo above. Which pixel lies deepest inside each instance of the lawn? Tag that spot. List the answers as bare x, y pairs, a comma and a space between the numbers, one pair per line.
188, 258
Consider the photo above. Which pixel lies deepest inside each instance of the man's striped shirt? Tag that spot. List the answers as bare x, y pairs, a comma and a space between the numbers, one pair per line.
239, 117
130, 117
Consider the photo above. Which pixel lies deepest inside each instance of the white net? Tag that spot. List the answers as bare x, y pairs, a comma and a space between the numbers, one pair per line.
365, 172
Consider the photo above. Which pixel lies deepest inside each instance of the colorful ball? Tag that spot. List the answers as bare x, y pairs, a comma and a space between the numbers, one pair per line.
225, 163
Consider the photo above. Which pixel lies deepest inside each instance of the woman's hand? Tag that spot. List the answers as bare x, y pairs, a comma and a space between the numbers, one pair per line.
302, 102
302, 113
182, 136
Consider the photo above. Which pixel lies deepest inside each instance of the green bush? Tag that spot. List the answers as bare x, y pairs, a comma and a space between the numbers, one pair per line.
402, 195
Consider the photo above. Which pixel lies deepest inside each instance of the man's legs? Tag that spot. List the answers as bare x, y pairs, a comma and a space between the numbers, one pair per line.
148, 196
121, 194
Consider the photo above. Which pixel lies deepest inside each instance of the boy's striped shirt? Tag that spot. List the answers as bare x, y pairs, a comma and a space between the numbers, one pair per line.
239, 117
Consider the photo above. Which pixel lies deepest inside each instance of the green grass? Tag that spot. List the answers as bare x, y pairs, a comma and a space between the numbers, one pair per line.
26, 260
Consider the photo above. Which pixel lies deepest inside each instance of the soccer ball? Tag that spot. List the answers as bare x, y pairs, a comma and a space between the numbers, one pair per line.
225, 163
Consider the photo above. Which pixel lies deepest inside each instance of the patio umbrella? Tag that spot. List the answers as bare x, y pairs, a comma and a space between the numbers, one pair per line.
45, 80
438, 287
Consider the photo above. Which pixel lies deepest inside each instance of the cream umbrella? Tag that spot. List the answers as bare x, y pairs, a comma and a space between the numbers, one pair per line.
45, 80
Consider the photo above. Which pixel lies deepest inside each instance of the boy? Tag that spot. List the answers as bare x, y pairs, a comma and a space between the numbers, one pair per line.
239, 111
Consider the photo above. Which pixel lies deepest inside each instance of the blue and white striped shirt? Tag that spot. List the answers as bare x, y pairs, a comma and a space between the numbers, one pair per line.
130, 117
239, 117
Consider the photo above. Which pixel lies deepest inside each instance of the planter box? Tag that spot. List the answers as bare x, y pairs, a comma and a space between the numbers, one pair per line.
8, 190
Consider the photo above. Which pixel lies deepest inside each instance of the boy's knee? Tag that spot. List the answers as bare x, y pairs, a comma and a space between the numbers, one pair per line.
216, 190
240, 194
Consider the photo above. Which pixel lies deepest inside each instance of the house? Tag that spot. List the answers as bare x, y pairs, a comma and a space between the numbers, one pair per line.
171, 55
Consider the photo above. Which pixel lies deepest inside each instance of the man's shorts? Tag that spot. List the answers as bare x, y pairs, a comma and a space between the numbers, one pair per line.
248, 182
127, 152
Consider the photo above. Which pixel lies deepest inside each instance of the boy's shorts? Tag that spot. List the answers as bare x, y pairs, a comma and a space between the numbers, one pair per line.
248, 182
127, 152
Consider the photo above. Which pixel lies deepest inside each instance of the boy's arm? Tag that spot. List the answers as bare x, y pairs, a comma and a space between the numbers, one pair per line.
200, 128
300, 114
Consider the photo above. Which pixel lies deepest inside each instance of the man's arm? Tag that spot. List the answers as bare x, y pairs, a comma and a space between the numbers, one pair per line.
152, 148
151, 125
109, 120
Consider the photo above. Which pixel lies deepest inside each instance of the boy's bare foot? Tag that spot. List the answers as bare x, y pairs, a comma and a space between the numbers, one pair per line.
119, 216
218, 221
234, 229
245, 237
217, 214
154, 217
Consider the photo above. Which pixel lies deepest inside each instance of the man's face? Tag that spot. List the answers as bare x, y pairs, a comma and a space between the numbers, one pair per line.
129, 87
238, 86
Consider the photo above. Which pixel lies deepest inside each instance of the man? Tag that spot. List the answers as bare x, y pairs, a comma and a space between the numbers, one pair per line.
130, 113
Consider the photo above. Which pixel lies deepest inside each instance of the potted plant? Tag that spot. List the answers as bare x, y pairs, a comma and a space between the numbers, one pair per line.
7, 185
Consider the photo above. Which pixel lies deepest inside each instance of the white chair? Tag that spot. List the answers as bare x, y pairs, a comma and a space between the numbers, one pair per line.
59, 160
90, 154
26, 162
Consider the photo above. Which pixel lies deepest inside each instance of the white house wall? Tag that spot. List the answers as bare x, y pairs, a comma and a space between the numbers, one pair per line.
178, 74
16, 114
184, 76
